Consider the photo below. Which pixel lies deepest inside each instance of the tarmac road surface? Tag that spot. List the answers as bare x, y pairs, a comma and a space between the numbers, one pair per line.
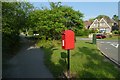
110, 48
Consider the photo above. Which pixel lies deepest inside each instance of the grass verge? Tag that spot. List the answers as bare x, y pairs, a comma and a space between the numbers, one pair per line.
86, 60
113, 38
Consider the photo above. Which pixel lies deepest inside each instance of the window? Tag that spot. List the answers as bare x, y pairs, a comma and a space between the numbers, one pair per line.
102, 24
95, 25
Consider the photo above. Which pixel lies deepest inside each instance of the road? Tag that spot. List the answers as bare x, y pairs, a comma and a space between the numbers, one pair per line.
109, 48
28, 63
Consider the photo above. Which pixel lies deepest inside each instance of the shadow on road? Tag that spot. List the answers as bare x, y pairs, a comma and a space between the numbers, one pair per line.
27, 63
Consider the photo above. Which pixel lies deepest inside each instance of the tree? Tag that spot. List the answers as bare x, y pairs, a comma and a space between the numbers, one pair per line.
91, 19
14, 17
115, 17
102, 16
51, 22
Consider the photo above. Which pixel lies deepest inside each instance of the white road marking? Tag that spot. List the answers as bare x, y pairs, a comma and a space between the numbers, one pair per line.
102, 42
108, 42
105, 42
115, 45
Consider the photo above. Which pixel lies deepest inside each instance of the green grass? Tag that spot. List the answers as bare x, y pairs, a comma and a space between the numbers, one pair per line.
86, 60
113, 38
81, 36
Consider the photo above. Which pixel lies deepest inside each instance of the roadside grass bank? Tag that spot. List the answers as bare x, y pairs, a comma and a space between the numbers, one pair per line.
86, 61
81, 37
114, 37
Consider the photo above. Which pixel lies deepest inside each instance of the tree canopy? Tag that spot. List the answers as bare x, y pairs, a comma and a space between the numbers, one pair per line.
14, 18
50, 22
102, 16
115, 17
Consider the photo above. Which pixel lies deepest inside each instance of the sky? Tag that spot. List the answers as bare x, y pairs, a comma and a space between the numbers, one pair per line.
119, 10
89, 9
67, 0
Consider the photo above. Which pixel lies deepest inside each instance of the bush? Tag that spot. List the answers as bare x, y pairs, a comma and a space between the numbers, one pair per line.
110, 36
30, 32
116, 32
86, 32
82, 32
79, 32
91, 31
47, 43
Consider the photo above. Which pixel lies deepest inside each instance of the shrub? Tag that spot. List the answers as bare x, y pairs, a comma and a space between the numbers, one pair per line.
30, 32
116, 32
86, 32
82, 32
79, 32
91, 31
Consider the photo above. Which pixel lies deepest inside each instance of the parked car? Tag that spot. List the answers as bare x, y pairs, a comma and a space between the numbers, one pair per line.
100, 36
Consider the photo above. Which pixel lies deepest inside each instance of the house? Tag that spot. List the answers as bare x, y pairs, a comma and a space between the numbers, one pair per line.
87, 24
102, 25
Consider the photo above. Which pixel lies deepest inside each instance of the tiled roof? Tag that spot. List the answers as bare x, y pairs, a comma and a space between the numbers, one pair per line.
87, 23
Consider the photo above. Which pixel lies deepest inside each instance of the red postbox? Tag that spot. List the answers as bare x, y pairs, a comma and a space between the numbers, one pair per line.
68, 40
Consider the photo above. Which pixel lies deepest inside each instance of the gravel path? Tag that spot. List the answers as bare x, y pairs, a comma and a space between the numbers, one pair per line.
28, 63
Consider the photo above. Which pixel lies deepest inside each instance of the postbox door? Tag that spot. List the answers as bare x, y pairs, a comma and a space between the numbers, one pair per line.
68, 40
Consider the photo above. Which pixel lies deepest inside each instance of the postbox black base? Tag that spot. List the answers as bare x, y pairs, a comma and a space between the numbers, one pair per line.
68, 67
70, 77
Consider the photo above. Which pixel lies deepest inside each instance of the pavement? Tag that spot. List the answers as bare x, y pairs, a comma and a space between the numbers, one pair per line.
28, 63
